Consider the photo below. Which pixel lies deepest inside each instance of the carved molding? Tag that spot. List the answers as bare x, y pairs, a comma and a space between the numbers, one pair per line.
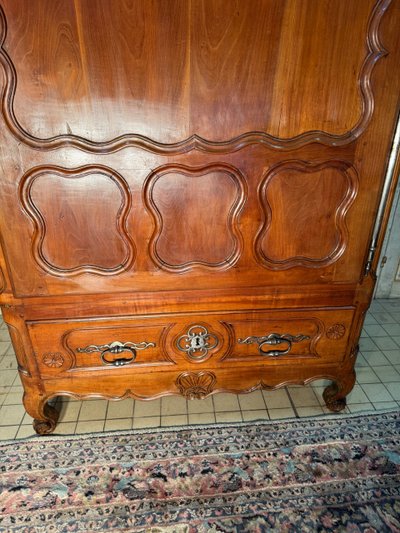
354, 351
39, 233
350, 174
196, 385
231, 223
19, 348
375, 52
336, 332
3, 283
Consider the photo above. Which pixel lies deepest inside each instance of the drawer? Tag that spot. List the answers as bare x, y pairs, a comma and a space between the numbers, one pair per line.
107, 344
212, 340
281, 337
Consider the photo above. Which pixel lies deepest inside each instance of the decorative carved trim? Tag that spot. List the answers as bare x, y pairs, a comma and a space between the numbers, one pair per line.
336, 332
335, 394
375, 52
232, 221
196, 385
19, 348
3, 283
40, 226
197, 342
5, 280
263, 385
53, 360
351, 176
128, 393
354, 351
45, 416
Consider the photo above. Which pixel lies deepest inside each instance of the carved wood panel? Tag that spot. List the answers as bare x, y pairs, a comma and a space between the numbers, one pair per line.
304, 207
170, 99
196, 211
59, 101
72, 234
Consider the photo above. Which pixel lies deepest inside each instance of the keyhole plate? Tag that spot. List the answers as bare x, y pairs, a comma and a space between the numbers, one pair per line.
197, 342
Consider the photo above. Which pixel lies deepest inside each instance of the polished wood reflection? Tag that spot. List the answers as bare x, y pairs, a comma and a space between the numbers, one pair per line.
188, 191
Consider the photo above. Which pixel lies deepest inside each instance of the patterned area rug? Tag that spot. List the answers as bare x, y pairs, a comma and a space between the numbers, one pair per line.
302, 475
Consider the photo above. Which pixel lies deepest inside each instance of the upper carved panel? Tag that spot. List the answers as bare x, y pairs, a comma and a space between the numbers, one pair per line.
196, 211
170, 77
73, 232
304, 207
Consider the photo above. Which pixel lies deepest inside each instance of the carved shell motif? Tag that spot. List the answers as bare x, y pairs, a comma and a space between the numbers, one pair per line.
196, 385
336, 332
53, 360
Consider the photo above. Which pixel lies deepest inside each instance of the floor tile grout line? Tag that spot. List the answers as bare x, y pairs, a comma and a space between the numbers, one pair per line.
78, 415
292, 403
105, 414
240, 406
365, 392
266, 406
213, 404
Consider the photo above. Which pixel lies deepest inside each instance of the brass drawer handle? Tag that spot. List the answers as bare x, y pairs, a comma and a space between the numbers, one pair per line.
274, 339
117, 347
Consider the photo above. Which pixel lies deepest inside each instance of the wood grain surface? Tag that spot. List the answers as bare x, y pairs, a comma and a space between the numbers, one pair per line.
189, 174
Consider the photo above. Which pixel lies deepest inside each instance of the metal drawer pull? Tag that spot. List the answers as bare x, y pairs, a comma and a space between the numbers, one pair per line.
272, 340
117, 347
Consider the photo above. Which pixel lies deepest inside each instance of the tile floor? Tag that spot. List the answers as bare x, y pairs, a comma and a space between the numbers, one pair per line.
377, 388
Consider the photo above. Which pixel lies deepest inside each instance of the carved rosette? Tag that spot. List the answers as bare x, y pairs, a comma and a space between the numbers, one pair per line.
336, 332
53, 360
196, 385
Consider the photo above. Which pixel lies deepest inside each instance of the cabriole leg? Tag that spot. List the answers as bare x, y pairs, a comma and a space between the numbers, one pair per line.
335, 394
45, 416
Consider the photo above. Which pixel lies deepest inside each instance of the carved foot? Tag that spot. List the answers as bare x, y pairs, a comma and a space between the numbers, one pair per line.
332, 402
335, 394
44, 416
44, 427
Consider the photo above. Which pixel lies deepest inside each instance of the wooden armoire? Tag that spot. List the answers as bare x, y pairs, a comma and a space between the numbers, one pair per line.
193, 193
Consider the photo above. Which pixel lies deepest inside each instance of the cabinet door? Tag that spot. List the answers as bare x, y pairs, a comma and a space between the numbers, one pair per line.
193, 144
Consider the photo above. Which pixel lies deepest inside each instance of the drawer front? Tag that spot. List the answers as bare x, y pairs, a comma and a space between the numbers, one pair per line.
98, 345
284, 336
150, 344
